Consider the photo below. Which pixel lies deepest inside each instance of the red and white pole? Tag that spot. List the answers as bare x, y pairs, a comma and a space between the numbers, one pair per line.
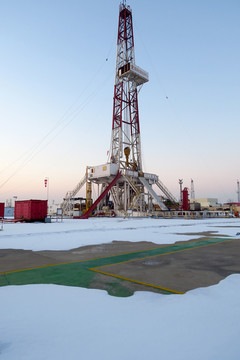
46, 184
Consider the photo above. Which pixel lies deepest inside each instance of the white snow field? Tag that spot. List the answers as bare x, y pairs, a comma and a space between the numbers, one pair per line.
74, 233
39, 322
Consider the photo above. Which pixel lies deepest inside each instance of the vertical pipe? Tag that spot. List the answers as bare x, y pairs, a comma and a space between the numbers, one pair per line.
125, 196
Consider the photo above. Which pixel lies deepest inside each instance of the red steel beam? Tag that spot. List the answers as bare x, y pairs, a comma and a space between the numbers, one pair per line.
103, 194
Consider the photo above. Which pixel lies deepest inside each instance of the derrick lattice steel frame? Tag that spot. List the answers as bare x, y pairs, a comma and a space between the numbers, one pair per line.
125, 124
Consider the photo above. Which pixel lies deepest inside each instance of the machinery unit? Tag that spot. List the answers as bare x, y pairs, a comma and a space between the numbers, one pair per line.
195, 206
185, 200
122, 179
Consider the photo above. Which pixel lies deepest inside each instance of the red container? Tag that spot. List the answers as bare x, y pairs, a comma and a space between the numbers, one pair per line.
31, 210
2, 210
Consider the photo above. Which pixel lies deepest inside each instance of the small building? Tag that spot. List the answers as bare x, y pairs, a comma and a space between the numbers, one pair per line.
206, 202
30, 210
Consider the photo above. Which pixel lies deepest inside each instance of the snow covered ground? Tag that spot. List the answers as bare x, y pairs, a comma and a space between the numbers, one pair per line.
74, 233
39, 322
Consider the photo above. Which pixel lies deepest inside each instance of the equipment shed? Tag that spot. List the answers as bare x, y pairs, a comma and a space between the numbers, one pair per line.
31, 210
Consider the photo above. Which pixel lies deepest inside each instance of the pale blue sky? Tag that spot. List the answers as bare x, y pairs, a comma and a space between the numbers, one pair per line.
56, 91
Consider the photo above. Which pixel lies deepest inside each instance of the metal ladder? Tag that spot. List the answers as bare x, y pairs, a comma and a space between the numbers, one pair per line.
70, 194
152, 193
166, 192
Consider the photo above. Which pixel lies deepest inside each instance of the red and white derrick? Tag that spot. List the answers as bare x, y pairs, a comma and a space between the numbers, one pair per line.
125, 140
122, 178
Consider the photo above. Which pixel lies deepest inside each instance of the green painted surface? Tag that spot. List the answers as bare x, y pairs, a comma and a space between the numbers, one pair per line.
79, 273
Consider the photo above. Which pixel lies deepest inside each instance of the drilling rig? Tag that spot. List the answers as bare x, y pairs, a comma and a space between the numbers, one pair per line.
122, 178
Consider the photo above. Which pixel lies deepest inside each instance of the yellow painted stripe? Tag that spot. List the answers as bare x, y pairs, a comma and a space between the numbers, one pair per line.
128, 253
77, 261
170, 252
97, 258
151, 285
137, 282
36, 267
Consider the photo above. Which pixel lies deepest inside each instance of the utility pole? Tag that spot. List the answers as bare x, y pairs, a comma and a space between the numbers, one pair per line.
46, 183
